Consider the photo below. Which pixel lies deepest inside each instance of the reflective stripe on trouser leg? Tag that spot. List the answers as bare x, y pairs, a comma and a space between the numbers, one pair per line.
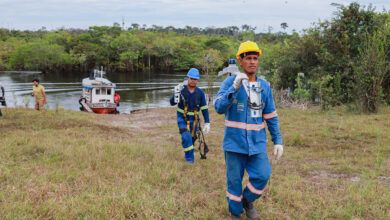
259, 171
235, 165
186, 142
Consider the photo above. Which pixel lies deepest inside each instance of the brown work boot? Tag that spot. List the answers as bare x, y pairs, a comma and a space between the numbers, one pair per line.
234, 217
250, 210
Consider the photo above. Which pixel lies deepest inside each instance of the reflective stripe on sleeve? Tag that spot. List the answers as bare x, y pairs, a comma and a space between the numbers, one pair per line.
180, 110
253, 189
270, 115
189, 148
204, 107
245, 126
233, 197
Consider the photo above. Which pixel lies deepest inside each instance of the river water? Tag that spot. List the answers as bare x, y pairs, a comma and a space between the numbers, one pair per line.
137, 90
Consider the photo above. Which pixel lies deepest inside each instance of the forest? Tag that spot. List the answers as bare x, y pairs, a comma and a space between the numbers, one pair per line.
343, 60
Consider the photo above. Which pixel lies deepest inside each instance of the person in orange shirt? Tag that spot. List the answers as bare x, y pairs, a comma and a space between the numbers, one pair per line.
117, 98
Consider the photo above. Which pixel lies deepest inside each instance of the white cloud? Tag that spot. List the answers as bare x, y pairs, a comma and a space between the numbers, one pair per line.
299, 14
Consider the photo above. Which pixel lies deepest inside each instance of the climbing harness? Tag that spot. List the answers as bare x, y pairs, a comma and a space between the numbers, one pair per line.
203, 148
195, 112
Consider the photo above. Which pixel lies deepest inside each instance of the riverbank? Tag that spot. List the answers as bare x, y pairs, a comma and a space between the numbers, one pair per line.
70, 164
137, 90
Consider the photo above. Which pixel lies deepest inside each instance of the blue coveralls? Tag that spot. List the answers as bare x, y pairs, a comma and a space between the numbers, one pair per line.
187, 140
245, 142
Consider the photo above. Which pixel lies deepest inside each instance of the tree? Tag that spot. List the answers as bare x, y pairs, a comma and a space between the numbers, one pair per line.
186, 51
134, 26
210, 61
128, 46
284, 26
147, 40
40, 55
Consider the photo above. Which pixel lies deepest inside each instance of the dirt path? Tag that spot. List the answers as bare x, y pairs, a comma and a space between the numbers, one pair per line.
141, 119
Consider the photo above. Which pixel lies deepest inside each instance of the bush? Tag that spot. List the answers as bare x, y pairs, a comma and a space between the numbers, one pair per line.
370, 71
300, 93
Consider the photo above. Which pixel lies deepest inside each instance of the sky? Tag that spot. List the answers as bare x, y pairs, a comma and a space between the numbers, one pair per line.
262, 14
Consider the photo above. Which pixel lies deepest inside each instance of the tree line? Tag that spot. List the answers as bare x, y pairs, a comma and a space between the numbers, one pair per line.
137, 49
337, 61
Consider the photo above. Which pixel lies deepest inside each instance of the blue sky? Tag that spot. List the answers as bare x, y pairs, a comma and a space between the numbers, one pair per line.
54, 14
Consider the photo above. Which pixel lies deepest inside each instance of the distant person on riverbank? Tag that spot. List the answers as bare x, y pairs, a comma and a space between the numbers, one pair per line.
116, 98
40, 95
2, 98
245, 142
192, 100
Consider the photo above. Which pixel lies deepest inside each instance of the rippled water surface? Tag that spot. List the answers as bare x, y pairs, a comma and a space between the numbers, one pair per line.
65, 89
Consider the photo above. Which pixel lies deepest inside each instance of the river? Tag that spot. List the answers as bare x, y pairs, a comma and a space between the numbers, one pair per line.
65, 89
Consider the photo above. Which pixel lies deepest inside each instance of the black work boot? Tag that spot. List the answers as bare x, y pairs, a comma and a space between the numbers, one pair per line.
250, 210
234, 217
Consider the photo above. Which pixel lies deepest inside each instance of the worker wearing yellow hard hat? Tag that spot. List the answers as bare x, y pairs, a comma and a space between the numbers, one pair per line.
247, 47
245, 142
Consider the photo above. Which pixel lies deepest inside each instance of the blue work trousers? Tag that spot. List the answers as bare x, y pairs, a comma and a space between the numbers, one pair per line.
259, 170
187, 141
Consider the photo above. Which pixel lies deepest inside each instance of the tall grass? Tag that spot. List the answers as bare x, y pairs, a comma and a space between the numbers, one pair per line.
76, 165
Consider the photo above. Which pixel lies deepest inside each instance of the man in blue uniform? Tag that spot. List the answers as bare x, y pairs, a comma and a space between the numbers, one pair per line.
245, 143
192, 100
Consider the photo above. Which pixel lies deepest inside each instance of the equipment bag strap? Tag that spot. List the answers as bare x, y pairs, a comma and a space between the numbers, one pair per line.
186, 108
195, 114
194, 123
202, 141
185, 117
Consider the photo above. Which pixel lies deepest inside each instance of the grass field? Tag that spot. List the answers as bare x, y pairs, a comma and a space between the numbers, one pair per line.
74, 165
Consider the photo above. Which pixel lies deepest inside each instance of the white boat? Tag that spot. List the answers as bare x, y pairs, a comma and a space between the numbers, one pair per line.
98, 94
231, 70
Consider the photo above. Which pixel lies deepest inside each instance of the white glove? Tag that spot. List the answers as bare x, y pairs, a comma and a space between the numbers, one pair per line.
206, 128
278, 151
238, 81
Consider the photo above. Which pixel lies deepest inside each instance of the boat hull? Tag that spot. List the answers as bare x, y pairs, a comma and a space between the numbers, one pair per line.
109, 108
104, 110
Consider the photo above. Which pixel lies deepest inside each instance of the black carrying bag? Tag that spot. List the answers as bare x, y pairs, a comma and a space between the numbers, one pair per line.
2, 101
203, 148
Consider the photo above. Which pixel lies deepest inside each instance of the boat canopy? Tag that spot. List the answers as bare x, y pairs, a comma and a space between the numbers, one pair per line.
97, 82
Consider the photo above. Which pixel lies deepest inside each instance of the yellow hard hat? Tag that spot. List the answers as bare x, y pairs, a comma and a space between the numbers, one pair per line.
248, 46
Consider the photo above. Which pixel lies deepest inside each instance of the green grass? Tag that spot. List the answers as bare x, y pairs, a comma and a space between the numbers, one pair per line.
75, 165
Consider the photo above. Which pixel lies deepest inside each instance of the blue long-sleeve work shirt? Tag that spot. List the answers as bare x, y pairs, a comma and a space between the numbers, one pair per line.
189, 98
244, 134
